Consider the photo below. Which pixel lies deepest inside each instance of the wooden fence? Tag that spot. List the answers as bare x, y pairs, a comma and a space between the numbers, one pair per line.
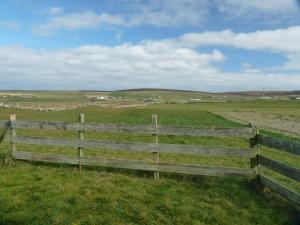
279, 167
156, 148
251, 153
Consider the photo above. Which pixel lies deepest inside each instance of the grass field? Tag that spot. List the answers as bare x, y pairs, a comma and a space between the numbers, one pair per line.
51, 194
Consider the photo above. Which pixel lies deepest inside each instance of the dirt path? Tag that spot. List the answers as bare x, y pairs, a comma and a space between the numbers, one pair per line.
285, 124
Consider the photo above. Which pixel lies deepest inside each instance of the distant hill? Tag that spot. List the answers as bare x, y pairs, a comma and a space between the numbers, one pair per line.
162, 89
261, 93
239, 93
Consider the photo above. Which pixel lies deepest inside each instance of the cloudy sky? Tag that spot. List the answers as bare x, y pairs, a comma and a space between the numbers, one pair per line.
206, 45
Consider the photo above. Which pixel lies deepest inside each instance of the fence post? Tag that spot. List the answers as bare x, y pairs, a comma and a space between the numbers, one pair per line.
253, 144
155, 154
81, 137
12, 119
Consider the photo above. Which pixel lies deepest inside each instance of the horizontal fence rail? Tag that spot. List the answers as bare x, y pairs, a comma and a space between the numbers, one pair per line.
137, 129
134, 164
4, 124
136, 146
280, 189
279, 167
288, 146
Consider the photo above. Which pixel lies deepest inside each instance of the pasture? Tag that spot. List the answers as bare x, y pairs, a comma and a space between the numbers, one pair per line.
40, 193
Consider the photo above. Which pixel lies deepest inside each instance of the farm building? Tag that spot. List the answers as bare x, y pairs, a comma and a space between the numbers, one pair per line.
265, 98
295, 98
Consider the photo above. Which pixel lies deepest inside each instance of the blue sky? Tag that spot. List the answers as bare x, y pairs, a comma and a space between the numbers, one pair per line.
207, 45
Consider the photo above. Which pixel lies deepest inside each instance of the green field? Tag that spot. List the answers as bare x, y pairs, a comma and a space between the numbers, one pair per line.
34, 193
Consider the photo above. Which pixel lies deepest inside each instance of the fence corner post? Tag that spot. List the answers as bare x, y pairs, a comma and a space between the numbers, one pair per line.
155, 154
80, 137
12, 119
254, 164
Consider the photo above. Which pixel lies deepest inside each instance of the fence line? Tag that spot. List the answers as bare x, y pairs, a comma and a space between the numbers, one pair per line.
155, 166
155, 147
279, 167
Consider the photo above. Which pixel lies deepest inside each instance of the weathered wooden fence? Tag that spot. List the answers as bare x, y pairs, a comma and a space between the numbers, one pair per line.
279, 167
255, 139
156, 148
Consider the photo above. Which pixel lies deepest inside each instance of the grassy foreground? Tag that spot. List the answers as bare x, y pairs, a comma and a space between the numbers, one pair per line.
53, 194
41, 194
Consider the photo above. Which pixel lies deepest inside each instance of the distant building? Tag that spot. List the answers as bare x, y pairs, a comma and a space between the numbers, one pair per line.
194, 100
102, 98
265, 97
295, 98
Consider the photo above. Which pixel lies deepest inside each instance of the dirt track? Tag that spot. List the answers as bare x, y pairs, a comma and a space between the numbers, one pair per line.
285, 124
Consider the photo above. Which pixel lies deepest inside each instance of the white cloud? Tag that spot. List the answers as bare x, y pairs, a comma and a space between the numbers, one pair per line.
54, 10
75, 21
119, 36
171, 13
159, 13
11, 25
129, 66
280, 40
269, 12
241, 7
100, 67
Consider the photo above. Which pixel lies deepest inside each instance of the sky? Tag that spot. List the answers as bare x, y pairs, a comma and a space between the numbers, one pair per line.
203, 45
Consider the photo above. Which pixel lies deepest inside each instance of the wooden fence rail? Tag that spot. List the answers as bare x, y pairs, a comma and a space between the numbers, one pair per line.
4, 124
136, 146
134, 164
135, 129
280, 189
279, 167
288, 146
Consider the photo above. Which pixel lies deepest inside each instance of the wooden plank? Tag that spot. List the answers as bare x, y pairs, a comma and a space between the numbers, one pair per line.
3, 134
47, 125
137, 146
279, 167
138, 129
288, 146
134, 164
12, 119
280, 189
205, 170
40, 157
4, 123
155, 153
80, 137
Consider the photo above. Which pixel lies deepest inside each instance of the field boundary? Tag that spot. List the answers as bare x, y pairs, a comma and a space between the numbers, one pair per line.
278, 167
252, 133
155, 148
